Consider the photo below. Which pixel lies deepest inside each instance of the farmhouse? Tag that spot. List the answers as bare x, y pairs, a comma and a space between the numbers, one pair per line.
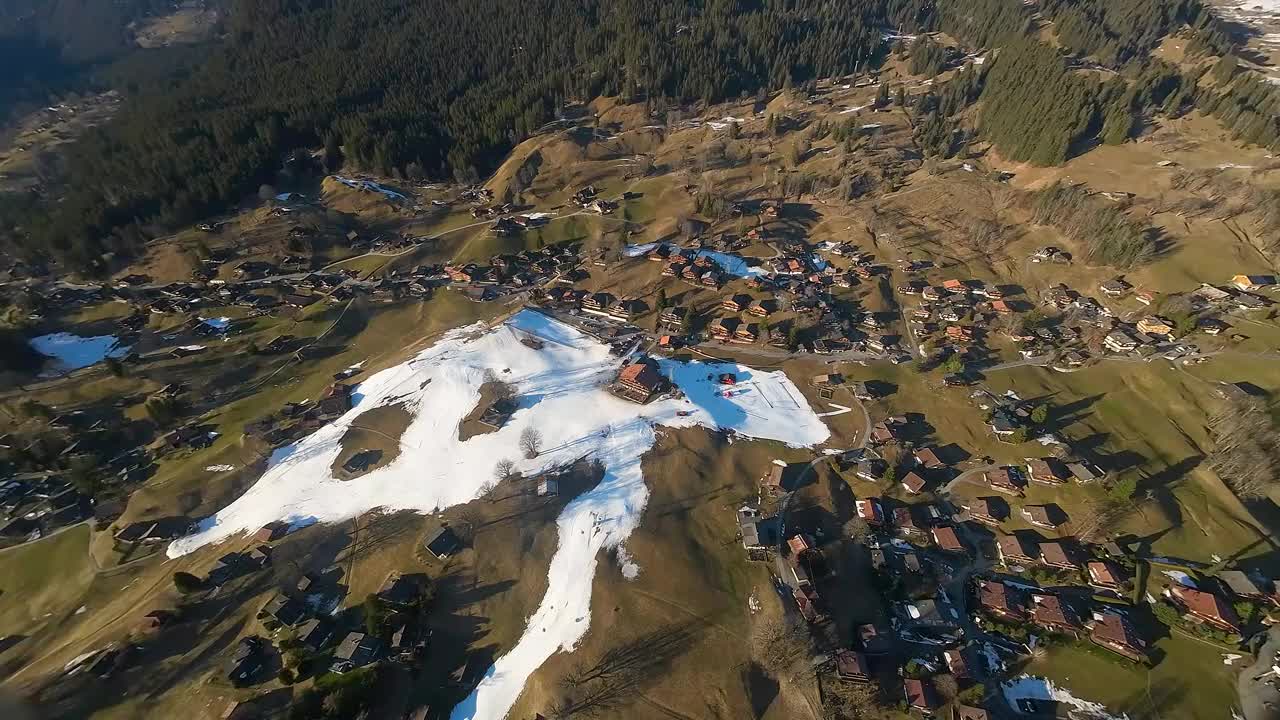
945, 537
639, 381
851, 666
1047, 471
913, 483
443, 543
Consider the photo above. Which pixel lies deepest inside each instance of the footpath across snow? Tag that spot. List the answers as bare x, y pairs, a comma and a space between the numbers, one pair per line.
561, 393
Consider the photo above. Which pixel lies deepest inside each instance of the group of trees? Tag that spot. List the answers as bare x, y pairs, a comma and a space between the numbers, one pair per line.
1246, 454
1108, 234
443, 89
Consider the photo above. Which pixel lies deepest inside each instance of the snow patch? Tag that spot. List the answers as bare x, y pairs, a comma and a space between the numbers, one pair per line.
735, 265
1181, 578
1029, 687
72, 352
218, 323
561, 391
370, 186
630, 568
220, 468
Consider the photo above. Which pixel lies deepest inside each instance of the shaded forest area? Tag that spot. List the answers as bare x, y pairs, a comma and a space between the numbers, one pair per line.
445, 89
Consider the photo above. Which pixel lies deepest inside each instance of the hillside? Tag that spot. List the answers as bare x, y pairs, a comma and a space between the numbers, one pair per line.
928, 371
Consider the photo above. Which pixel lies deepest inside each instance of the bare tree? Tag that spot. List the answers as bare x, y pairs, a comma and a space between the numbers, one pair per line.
531, 442
849, 701
780, 646
504, 469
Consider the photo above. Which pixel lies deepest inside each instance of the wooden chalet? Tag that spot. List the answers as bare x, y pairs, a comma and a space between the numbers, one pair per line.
1005, 480
1046, 471
988, 510
947, 540
1204, 607
1052, 614
736, 303
913, 483
1058, 555
1105, 574
1000, 601
1013, 549
1115, 633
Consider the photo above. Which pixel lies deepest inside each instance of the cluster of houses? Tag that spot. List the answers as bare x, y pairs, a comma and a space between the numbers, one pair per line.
298, 419
33, 506
522, 270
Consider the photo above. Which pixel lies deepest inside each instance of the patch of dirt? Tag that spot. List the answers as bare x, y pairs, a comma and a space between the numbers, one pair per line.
371, 442
493, 395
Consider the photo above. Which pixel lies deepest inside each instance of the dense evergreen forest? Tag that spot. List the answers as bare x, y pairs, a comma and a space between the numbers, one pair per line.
445, 89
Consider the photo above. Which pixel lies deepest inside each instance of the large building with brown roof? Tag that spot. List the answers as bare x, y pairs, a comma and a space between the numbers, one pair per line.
638, 382
1000, 600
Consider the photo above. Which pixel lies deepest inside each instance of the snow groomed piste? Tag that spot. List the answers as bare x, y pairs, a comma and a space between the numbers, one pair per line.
561, 392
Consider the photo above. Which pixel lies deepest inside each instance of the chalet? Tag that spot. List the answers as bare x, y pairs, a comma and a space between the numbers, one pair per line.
1114, 632
870, 469
736, 303
1104, 574
959, 333
314, 634
913, 483
1045, 516
1120, 341
1115, 287
358, 649
246, 661
772, 480
1052, 614
674, 317
1000, 600
1013, 549
1204, 607
870, 510
400, 590
921, 695
955, 287
928, 459
758, 533
945, 537
746, 333
1212, 326
271, 531
988, 510
1003, 308
1046, 471
282, 610
1003, 426
761, 308
1084, 472
932, 293
711, 278
1005, 480
827, 380
851, 666
597, 302
1155, 325
443, 543
881, 434
861, 391
723, 329
1058, 555
991, 292
954, 659
905, 522
155, 620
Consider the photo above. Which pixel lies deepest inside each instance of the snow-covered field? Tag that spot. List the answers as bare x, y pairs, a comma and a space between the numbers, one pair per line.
72, 352
1035, 688
561, 393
